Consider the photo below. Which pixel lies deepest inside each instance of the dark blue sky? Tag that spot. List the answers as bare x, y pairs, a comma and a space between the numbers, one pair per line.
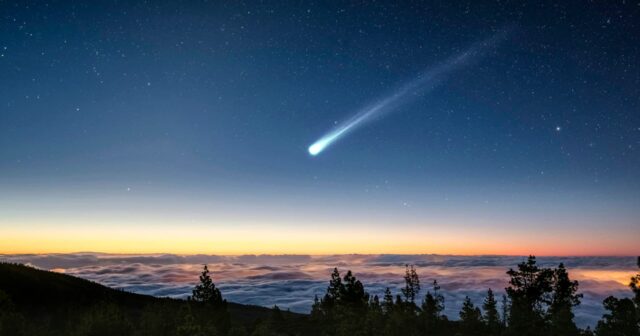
209, 107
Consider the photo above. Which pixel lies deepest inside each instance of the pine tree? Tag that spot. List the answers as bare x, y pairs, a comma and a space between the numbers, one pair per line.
623, 316
491, 316
387, 302
351, 306
505, 310
432, 307
621, 320
635, 287
563, 300
412, 284
352, 292
530, 287
470, 319
206, 290
335, 286
324, 312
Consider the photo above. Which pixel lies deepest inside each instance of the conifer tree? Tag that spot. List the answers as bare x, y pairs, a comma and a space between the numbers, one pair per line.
529, 290
491, 316
470, 319
324, 311
432, 307
505, 310
387, 302
623, 316
620, 320
352, 292
335, 286
563, 300
206, 290
412, 284
635, 287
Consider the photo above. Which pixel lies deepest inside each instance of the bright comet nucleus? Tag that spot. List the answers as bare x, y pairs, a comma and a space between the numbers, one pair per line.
316, 148
326, 140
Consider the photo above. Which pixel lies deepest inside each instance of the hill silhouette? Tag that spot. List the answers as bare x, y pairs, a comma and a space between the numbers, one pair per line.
49, 302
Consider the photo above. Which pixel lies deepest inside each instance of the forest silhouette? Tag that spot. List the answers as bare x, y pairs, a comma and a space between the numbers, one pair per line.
537, 301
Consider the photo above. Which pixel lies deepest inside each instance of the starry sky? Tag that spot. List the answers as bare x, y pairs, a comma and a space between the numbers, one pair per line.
184, 127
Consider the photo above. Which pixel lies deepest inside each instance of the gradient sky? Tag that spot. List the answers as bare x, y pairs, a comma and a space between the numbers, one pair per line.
183, 127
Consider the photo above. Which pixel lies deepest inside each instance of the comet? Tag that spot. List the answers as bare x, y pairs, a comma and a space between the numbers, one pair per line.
424, 83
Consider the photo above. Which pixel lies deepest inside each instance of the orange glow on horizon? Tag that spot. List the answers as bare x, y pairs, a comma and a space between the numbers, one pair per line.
621, 277
314, 241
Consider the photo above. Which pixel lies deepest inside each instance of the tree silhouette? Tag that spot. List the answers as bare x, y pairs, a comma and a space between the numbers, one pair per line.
322, 310
621, 320
530, 288
635, 287
411, 284
387, 302
491, 316
563, 300
335, 286
210, 313
623, 316
344, 307
206, 290
470, 319
506, 307
352, 292
432, 308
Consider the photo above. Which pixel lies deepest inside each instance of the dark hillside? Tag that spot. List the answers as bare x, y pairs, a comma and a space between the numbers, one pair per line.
57, 300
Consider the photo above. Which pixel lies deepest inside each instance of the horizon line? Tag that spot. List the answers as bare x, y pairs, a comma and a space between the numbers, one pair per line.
328, 254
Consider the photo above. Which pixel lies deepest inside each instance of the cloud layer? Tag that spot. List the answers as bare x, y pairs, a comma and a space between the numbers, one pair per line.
292, 281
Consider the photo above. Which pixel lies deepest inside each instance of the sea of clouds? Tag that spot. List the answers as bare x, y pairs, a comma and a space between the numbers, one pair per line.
292, 281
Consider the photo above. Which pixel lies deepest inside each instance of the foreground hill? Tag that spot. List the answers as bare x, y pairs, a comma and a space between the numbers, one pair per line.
57, 304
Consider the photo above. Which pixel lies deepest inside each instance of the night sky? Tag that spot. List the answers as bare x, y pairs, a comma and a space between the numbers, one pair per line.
184, 127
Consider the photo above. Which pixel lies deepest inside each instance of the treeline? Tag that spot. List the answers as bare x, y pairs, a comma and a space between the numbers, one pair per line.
537, 301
